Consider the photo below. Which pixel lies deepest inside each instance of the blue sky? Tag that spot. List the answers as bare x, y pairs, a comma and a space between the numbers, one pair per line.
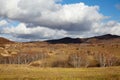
107, 7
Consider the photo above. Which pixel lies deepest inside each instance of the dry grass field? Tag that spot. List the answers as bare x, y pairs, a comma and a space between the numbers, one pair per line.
25, 72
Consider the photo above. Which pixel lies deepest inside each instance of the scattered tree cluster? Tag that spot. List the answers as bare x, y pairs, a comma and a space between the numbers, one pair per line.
22, 58
106, 59
77, 60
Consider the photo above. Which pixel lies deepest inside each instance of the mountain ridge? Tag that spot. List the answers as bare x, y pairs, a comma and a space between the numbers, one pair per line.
67, 40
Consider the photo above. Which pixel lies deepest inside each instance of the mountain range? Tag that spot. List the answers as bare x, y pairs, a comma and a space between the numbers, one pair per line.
95, 39
67, 40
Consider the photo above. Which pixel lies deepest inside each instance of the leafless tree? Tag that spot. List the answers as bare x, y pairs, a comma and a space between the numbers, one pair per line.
22, 58
77, 60
106, 59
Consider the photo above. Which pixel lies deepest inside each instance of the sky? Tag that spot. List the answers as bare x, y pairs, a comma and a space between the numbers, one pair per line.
107, 7
33, 20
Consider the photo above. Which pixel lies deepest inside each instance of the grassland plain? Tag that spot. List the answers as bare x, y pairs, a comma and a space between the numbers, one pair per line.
25, 72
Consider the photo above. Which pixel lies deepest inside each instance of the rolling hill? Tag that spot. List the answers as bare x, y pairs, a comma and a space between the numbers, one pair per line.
96, 39
65, 40
68, 40
96, 51
5, 41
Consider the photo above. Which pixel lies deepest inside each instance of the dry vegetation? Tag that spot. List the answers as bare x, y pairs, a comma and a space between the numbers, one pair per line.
61, 55
93, 60
24, 72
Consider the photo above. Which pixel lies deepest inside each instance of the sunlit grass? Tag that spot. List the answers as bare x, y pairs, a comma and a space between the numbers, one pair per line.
24, 72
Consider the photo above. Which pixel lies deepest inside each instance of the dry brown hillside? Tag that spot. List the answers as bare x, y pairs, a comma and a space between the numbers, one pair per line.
98, 51
5, 41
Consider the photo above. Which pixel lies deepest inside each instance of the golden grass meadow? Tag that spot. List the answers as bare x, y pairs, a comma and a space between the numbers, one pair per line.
25, 72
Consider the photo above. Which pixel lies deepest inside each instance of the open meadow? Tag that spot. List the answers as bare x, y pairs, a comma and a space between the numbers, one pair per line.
25, 72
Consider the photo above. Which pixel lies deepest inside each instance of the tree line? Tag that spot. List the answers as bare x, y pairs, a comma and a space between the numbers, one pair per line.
22, 58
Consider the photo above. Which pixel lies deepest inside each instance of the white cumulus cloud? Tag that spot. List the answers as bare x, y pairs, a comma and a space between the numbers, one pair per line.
49, 13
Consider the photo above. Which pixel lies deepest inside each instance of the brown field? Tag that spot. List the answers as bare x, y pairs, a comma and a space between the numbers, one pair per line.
25, 72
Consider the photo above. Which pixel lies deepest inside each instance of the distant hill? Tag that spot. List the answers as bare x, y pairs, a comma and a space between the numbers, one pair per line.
107, 36
95, 39
65, 40
5, 41
103, 39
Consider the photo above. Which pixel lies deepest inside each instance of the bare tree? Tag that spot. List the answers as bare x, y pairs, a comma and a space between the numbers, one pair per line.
22, 58
106, 59
77, 60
